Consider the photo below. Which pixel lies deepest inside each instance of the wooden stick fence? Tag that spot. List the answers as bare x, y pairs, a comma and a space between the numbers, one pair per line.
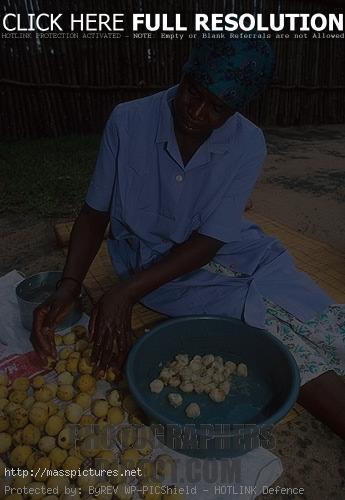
53, 86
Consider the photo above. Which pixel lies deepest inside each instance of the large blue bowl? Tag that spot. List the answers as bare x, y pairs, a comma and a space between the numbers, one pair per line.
255, 403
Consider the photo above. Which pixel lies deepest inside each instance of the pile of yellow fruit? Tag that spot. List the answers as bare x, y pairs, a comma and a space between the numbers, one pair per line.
36, 422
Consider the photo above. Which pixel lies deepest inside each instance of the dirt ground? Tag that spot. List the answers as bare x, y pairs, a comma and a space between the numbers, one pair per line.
303, 186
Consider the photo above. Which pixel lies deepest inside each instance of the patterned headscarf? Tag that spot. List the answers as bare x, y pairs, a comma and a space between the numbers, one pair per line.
234, 69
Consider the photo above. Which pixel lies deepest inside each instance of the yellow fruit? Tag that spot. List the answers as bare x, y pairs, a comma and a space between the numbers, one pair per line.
151, 490
54, 425
38, 382
58, 340
66, 438
57, 457
65, 378
19, 455
3, 378
64, 353
81, 345
60, 366
38, 489
17, 396
84, 482
21, 384
17, 437
173, 496
65, 392
87, 420
73, 413
52, 388
83, 400
44, 394
4, 423
122, 492
28, 402
58, 483
100, 407
41, 468
147, 469
79, 331
30, 435
110, 375
46, 444
115, 415
86, 383
38, 415
3, 392
19, 418
72, 463
20, 481
127, 436
69, 338
50, 364
165, 465
72, 365
5, 442
114, 398
84, 366
3, 403
53, 408
130, 458
88, 447
32, 459
11, 407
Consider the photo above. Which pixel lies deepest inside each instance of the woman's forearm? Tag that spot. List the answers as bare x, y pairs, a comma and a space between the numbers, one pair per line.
189, 256
86, 238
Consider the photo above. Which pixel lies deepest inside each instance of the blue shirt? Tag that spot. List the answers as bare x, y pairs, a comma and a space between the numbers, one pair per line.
155, 202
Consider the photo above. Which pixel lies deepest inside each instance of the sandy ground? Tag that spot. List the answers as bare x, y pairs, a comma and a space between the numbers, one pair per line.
303, 186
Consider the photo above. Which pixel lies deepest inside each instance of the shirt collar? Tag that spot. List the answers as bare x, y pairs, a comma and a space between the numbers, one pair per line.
219, 141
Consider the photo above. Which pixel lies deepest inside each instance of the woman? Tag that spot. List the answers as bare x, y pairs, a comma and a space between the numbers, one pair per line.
173, 175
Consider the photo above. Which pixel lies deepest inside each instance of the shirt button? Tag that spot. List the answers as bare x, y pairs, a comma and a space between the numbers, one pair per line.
179, 178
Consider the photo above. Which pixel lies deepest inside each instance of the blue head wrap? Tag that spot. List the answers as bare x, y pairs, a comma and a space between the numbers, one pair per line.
234, 69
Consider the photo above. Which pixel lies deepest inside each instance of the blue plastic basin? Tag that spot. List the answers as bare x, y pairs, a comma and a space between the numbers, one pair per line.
255, 403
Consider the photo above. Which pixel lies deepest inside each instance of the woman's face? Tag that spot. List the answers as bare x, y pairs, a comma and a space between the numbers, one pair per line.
197, 111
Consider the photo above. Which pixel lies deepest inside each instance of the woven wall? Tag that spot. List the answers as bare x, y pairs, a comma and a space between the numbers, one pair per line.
62, 86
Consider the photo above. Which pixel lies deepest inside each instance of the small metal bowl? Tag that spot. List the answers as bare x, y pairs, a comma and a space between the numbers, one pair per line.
32, 291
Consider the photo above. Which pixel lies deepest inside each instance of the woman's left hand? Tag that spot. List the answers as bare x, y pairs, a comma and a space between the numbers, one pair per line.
110, 328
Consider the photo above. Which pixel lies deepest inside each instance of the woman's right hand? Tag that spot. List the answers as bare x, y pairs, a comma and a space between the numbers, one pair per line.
48, 315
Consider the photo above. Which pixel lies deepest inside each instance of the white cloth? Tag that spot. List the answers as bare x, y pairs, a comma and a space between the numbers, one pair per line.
256, 469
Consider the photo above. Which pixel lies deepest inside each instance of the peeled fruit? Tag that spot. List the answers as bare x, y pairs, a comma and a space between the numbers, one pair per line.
20, 481
21, 384
72, 365
114, 398
122, 492
84, 482
19, 455
65, 438
65, 392
115, 415
147, 469
54, 425
150, 490
100, 407
46, 444
83, 399
164, 465
28, 402
38, 415
31, 435
57, 457
65, 378
44, 394
53, 388
81, 345
5, 442
127, 436
38, 382
38, 488
86, 383
17, 437
53, 408
11, 407
73, 413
